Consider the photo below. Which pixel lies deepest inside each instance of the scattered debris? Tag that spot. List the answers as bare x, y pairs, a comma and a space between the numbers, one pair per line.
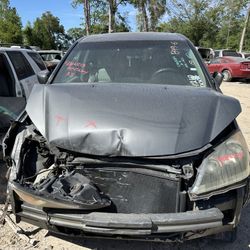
17, 230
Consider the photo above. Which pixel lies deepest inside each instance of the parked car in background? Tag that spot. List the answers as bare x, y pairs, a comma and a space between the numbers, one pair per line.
18, 75
245, 54
206, 53
226, 52
230, 67
130, 138
14, 46
51, 58
36, 48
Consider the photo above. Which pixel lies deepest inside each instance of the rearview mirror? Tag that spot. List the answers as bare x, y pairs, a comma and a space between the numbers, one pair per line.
218, 77
43, 76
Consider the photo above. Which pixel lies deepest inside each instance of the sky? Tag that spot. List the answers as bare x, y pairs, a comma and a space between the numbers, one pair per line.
69, 17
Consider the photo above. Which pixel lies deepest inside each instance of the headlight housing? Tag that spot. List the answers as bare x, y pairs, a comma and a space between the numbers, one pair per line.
228, 164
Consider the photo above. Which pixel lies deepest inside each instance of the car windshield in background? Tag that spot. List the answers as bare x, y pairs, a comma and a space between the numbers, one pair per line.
49, 56
231, 53
164, 62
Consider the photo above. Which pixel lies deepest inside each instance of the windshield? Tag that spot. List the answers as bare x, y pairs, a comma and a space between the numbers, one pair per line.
160, 62
49, 56
231, 53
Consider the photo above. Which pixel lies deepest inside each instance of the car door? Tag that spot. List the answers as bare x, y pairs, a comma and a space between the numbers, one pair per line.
232, 65
214, 65
24, 71
12, 99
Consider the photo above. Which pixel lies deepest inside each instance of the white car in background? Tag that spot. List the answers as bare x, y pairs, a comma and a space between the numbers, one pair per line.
226, 52
51, 58
245, 55
19, 67
18, 75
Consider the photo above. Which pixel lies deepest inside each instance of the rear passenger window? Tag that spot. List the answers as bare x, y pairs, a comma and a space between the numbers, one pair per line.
38, 60
21, 64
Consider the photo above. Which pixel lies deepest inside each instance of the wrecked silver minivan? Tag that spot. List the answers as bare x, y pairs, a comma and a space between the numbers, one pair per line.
130, 138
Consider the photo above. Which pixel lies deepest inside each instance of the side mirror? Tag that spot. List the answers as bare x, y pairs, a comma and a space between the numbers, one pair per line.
218, 78
43, 76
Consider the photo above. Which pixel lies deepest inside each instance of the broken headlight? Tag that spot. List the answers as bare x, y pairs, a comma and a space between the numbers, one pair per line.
228, 164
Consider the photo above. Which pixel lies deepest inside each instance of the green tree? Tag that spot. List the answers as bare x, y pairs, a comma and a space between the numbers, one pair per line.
10, 24
28, 35
142, 16
156, 9
75, 33
246, 44
229, 36
216, 23
103, 16
196, 19
93, 11
149, 13
87, 16
113, 11
46, 32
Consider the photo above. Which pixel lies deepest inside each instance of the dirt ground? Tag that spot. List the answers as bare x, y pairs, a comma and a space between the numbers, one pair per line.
45, 240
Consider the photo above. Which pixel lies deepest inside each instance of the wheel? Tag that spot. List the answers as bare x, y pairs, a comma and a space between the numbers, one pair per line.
227, 76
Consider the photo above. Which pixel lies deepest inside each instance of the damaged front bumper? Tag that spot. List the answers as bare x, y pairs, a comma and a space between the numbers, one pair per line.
114, 223
209, 217
127, 224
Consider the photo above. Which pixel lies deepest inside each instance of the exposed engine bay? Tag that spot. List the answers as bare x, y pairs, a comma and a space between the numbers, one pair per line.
67, 180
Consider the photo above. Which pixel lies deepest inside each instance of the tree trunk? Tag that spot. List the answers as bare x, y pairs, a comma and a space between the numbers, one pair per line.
87, 16
153, 17
244, 30
112, 13
144, 15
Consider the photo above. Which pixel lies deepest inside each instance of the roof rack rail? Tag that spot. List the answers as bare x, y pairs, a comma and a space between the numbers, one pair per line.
16, 46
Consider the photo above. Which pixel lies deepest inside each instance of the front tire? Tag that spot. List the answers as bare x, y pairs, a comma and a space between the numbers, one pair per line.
227, 76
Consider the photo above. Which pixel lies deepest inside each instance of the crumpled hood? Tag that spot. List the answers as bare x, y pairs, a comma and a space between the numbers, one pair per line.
129, 119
